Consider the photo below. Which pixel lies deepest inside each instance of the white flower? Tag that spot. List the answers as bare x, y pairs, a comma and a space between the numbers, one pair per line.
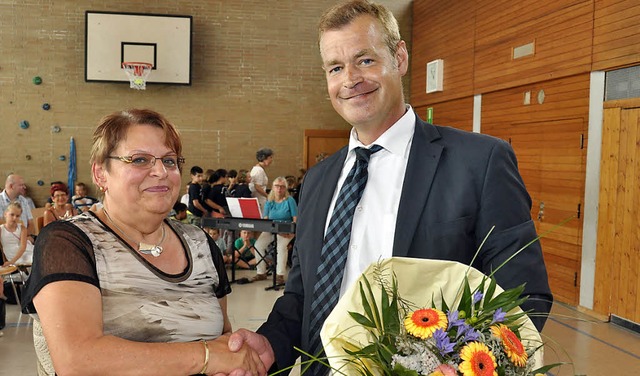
416, 356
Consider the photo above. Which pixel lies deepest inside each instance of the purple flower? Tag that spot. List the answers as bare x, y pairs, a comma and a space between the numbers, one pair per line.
471, 335
467, 333
442, 342
477, 296
452, 317
498, 316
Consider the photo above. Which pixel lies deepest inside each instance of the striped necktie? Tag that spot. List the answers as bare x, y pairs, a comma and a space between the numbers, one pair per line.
326, 291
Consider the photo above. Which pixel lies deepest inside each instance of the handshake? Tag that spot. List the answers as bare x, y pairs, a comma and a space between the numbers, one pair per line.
242, 353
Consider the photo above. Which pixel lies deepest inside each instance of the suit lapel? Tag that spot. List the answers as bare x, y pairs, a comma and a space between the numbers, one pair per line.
324, 187
421, 168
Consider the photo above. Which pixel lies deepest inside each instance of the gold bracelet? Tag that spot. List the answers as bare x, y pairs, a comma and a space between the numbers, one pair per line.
206, 358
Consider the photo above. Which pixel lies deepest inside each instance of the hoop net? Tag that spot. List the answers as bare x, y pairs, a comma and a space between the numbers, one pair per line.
137, 73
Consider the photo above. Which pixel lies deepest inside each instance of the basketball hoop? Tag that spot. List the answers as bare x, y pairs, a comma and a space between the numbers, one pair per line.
137, 73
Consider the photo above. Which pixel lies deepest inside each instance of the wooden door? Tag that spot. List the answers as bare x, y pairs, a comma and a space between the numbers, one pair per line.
617, 280
551, 158
321, 143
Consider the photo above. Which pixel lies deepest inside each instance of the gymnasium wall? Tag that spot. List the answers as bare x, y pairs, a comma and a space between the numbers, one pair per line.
256, 81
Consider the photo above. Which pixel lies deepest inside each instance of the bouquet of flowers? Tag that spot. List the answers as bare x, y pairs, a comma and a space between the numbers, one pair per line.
419, 317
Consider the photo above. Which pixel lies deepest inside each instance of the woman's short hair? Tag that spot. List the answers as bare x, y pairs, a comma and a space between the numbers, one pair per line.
112, 129
342, 14
263, 154
59, 187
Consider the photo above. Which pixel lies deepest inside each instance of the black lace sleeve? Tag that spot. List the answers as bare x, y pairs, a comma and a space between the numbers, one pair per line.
224, 287
62, 252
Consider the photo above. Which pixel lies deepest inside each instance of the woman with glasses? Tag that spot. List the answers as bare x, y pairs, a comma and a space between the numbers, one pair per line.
279, 207
61, 208
123, 290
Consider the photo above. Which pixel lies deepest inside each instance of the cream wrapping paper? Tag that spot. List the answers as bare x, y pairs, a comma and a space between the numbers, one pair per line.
419, 281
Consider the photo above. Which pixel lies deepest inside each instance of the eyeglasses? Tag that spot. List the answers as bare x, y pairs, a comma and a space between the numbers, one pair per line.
279, 186
169, 162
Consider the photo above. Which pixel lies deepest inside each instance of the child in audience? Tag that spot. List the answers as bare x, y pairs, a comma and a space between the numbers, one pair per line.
81, 201
179, 213
215, 235
242, 247
16, 248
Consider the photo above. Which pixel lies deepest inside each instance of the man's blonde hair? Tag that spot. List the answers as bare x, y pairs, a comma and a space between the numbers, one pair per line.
343, 14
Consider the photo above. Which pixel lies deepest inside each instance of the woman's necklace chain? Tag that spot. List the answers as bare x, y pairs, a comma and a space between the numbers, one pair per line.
144, 248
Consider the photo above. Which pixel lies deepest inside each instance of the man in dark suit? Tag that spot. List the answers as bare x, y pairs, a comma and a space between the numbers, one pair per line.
433, 192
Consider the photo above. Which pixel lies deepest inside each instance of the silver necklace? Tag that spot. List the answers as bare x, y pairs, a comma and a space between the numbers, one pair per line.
144, 248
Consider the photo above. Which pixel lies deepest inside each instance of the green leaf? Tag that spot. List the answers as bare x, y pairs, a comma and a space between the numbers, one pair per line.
465, 301
504, 298
445, 307
488, 295
481, 289
399, 370
373, 308
548, 367
362, 320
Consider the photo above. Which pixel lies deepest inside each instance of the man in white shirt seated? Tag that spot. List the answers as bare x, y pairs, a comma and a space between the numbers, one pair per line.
15, 190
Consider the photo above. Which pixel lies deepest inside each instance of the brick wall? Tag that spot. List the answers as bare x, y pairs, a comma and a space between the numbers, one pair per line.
256, 81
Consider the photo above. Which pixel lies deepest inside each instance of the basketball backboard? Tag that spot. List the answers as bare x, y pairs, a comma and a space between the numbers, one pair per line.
161, 40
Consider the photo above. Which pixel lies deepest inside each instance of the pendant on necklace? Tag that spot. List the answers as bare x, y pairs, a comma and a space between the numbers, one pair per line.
150, 249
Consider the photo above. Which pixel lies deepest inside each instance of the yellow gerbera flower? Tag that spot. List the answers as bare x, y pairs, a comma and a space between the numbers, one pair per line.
424, 322
477, 360
512, 345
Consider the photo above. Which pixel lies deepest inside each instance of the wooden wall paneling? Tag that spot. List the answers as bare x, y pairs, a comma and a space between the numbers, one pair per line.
615, 34
618, 248
551, 163
320, 143
607, 211
445, 30
624, 305
547, 141
561, 31
618, 252
457, 113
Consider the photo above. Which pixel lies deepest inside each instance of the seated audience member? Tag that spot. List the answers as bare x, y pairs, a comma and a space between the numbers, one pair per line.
241, 188
50, 199
294, 189
179, 213
216, 198
14, 190
279, 207
16, 246
125, 290
242, 247
215, 235
81, 201
60, 209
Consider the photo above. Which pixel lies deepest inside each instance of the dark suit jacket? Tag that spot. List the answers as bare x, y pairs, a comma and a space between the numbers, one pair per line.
456, 187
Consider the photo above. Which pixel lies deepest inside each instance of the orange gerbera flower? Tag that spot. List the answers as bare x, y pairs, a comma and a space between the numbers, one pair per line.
477, 360
424, 322
512, 345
